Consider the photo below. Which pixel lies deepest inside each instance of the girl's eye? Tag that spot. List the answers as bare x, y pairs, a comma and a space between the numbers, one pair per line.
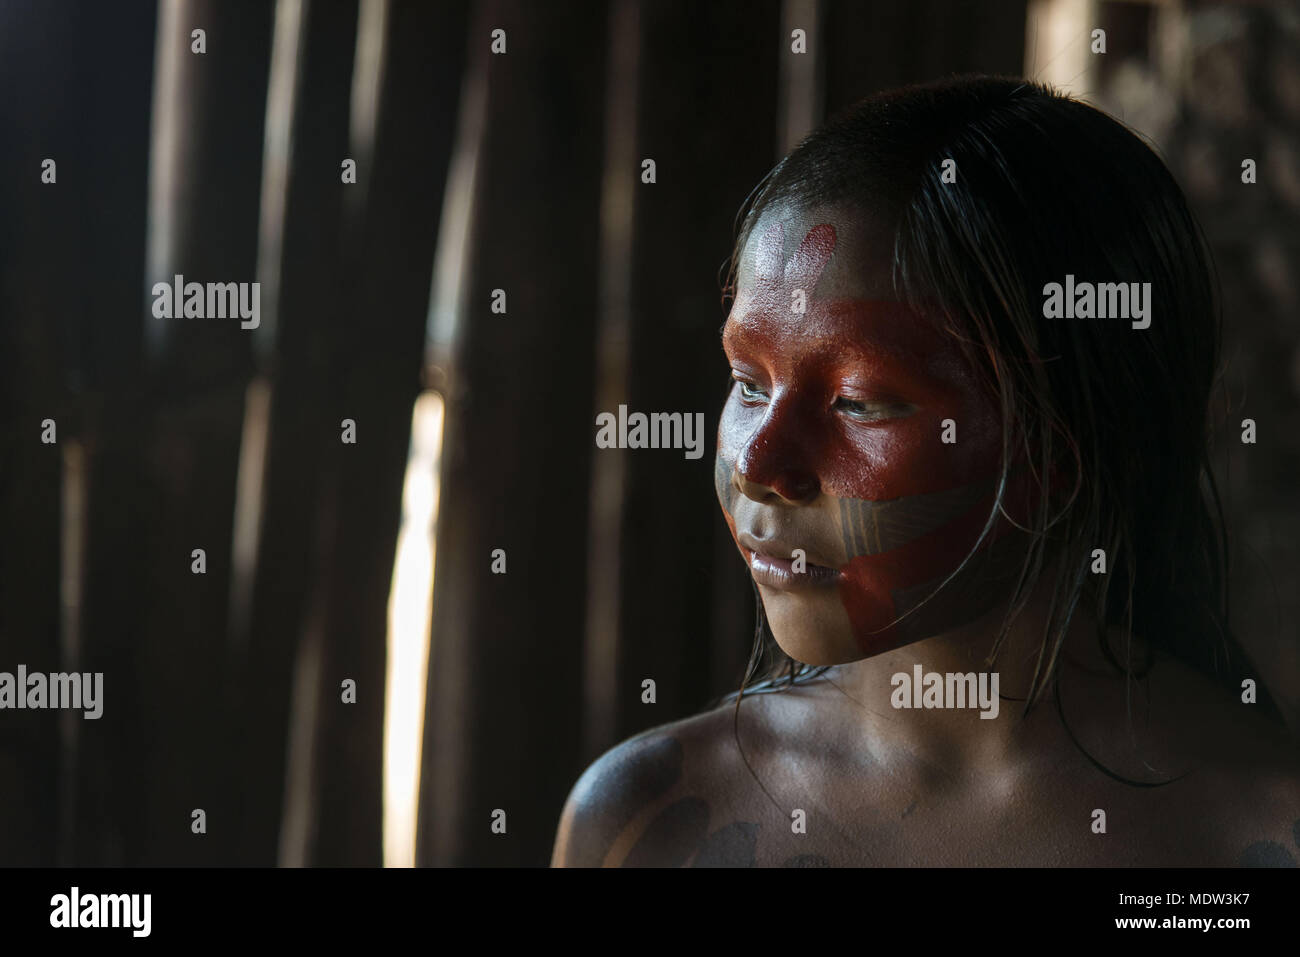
872, 411
858, 409
750, 392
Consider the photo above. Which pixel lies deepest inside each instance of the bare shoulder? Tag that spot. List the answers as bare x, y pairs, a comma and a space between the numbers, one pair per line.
676, 795
1259, 789
1268, 831
1241, 804
619, 786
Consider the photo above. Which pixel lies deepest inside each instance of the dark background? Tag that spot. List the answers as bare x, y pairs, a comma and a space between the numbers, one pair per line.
518, 172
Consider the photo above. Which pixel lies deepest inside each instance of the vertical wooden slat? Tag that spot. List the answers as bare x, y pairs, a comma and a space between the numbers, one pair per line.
34, 295
289, 552
608, 469
377, 375
118, 80
162, 483
723, 60
29, 633
505, 685
205, 178
74, 351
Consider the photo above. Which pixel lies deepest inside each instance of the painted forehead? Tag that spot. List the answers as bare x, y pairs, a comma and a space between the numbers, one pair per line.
841, 260
830, 252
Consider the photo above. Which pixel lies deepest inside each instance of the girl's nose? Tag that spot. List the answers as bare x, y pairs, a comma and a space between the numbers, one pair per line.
778, 460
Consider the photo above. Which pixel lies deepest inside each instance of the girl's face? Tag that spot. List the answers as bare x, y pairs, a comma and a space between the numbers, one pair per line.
854, 434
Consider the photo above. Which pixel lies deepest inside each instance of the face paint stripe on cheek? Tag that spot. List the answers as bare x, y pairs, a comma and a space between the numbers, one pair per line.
878, 588
860, 512
874, 527
873, 542
847, 526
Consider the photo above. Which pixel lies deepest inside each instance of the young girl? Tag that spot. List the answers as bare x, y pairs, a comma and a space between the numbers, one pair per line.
973, 339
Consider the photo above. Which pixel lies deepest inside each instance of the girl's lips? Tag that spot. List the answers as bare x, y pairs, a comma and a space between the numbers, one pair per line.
780, 573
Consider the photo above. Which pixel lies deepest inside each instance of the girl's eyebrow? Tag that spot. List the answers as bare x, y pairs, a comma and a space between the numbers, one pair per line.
911, 354
743, 340
891, 315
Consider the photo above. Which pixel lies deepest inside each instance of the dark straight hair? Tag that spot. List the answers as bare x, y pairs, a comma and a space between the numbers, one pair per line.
1116, 417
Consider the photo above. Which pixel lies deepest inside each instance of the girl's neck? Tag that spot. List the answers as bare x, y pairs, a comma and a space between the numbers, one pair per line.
940, 700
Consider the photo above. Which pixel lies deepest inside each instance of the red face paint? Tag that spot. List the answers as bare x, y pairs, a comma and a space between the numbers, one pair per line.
832, 442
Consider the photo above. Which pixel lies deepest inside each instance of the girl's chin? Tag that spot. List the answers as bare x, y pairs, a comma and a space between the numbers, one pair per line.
815, 632
813, 627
